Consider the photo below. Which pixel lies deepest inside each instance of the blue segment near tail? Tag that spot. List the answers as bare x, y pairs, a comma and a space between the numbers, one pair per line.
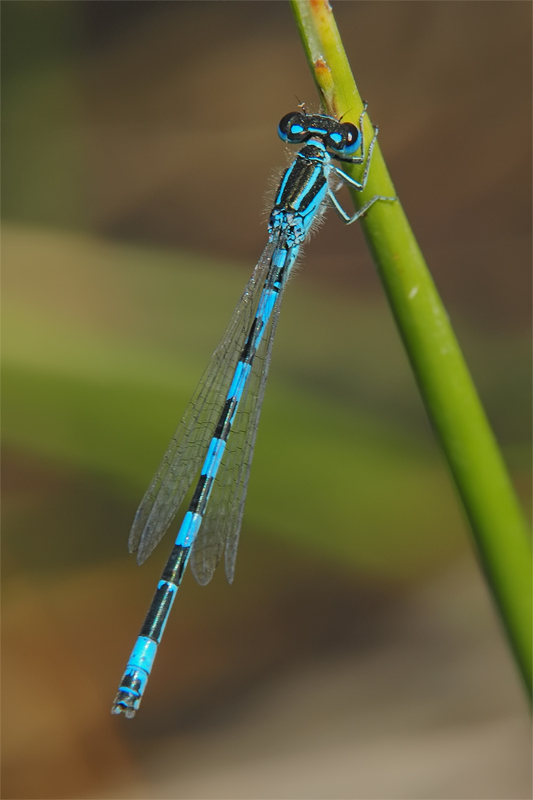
143, 654
232, 389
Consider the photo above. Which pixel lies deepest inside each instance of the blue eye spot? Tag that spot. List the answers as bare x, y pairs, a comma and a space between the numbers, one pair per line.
336, 137
351, 148
296, 129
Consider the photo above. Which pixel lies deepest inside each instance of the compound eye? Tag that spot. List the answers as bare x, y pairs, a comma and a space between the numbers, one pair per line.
352, 137
291, 128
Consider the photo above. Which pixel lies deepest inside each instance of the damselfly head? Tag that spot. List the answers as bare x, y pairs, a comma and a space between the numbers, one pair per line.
341, 137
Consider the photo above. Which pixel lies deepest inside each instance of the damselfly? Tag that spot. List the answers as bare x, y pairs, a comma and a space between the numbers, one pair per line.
219, 427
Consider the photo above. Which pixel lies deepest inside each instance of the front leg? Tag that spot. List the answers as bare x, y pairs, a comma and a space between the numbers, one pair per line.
359, 185
349, 219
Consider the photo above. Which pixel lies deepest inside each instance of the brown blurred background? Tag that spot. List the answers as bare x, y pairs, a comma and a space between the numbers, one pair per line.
357, 654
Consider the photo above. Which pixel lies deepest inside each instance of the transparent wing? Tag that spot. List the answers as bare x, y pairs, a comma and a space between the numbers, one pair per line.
222, 521
190, 442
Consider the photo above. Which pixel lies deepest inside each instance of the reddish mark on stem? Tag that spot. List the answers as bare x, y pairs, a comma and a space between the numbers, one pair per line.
320, 5
324, 80
321, 67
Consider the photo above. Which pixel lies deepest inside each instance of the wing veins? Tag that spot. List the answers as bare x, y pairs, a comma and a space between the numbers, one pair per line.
188, 446
222, 521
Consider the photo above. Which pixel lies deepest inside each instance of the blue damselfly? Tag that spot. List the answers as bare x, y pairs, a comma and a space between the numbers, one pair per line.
219, 427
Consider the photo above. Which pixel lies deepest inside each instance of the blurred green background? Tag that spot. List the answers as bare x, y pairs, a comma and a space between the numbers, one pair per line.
138, 139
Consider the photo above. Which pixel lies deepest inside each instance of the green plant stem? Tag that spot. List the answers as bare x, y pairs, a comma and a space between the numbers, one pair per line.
500, 530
